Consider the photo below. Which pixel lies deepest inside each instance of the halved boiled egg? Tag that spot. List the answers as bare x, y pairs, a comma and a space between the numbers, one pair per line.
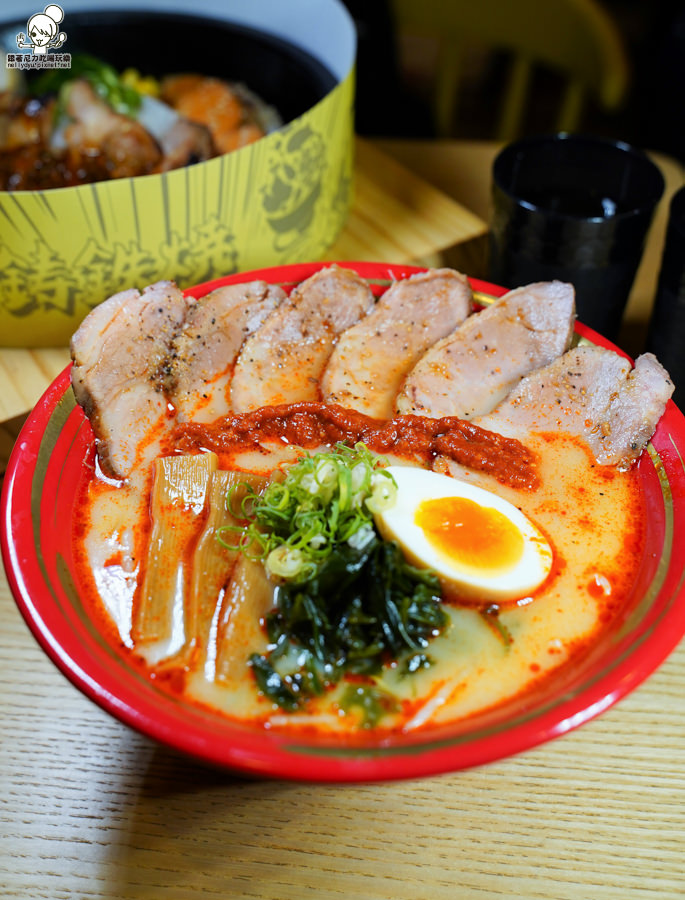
481, 546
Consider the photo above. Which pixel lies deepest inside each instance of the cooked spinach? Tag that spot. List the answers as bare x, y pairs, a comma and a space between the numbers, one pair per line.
346, 602
364, 607
371, 701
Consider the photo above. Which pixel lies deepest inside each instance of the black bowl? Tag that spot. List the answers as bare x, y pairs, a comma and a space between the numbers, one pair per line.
283, 75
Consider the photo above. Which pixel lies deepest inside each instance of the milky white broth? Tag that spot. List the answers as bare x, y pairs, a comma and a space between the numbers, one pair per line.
592, 515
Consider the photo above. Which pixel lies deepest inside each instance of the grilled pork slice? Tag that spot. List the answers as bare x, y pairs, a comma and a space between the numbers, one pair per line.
372, 358
282, 362
593, 393
467, 373
128, 148
203, 354
117, 352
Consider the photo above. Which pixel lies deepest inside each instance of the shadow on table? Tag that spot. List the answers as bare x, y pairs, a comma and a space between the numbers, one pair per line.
193, 829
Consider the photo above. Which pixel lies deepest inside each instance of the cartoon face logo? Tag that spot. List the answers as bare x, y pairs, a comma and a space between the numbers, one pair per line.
43, 31
291, 196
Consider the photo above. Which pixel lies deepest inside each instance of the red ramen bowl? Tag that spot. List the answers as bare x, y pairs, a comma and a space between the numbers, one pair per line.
47, 474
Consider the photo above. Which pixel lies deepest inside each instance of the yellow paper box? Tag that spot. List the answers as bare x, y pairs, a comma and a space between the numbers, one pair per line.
282, 199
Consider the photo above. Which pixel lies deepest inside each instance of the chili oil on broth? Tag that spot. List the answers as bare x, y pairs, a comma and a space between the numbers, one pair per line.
592, 515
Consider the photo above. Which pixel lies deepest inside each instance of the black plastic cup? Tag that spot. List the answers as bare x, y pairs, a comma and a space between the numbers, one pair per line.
666, 335
574, 208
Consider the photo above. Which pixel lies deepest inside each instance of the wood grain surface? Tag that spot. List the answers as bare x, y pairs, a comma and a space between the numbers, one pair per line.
90, 809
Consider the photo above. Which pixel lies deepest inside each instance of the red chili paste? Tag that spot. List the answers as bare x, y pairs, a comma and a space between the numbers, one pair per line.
312, 424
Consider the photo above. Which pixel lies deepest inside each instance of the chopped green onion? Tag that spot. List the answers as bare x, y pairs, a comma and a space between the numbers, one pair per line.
325, 499
103, 78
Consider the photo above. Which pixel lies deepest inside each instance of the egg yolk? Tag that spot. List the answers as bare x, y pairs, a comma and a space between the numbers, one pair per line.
469, 534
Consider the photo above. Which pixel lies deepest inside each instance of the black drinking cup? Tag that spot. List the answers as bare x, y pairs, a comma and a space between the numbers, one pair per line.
574, 208
666, 336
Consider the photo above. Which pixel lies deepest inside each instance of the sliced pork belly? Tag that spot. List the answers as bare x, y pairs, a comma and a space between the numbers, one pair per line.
371, 359
593, 393
117, 352
204, 352
283, 361
467, 373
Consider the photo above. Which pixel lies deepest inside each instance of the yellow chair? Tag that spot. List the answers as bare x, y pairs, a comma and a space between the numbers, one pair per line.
574, 38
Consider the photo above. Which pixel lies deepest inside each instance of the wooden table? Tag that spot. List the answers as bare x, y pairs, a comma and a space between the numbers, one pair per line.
90, 809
